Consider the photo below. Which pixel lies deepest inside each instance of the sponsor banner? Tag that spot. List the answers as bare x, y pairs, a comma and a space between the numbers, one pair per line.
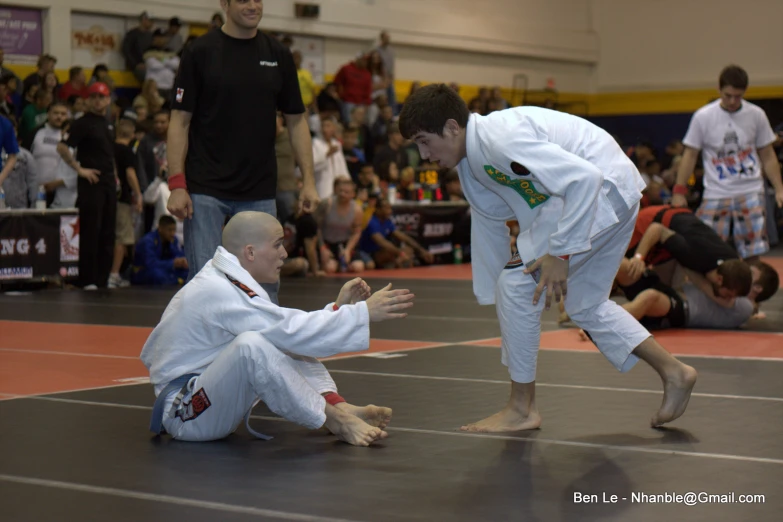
38, 245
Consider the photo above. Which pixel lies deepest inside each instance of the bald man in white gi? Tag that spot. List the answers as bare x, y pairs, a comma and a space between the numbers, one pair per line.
222, 345
575, 195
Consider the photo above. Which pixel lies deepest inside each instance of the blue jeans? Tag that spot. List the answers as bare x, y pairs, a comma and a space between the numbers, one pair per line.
204, 231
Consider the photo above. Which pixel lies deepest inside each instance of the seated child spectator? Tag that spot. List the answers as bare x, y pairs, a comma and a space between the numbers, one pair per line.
159, 258
387, 246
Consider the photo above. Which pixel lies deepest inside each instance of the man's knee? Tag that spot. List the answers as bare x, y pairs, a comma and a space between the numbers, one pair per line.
252, 346
581, 314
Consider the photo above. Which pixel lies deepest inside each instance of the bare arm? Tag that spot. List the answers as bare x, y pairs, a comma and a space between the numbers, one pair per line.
385, 243
655, 233
772, 171
302, 144
408, 240
705, 287
311, 252
356, 229
687, 165
177, 146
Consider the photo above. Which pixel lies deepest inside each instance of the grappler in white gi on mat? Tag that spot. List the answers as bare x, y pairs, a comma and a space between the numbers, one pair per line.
222, 345
576, 196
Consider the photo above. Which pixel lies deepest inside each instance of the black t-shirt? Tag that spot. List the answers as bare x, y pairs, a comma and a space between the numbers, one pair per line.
234, 88
697, 246
125, 159
92, 136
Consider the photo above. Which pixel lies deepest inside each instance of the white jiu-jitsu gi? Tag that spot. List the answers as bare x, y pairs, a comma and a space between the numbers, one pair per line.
575, 193
223, 327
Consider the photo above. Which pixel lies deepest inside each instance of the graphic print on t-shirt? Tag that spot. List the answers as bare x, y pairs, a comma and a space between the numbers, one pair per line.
731, 160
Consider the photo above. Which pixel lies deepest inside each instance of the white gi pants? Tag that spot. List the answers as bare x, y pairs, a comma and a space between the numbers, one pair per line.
248, 370
614, 331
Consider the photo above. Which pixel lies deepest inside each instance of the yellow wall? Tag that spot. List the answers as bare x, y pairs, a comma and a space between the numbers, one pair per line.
604, 104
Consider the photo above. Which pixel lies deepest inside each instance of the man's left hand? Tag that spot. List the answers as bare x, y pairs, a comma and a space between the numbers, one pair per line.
353, 291
308, 199
554, 276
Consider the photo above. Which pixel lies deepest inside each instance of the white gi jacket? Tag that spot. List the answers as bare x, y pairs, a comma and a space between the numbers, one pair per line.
207, 314
563, 178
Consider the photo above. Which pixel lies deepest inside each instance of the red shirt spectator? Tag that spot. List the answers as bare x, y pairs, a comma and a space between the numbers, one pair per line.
354, 82
76, 84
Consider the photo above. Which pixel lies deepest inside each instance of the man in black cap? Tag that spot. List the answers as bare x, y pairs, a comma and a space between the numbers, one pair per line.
175, 38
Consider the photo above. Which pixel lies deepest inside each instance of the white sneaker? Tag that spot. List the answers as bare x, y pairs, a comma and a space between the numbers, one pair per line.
115, 281
90, 288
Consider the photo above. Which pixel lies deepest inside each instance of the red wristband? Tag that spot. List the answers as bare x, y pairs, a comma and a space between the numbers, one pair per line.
177, 181
564, 258
333, 399
335, 307
680, 189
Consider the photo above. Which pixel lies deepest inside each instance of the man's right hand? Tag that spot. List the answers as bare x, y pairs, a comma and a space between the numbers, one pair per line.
679, 200
180, 205
387, 304
181, 263
90, 175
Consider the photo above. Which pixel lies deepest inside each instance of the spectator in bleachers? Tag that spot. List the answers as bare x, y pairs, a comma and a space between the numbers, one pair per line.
354, 156
128, 201
392, 152
358, 119
329, 103
367, 183
161, 65
452, 187
33, 116
354, 85
65, 179
387, 246
5, 71
76, 107
380, 78
7, 106
20, 185
339, 221
51, 84
152, 148
500, 103
45, 64
300, 238
76, 84
45, 140
217, 21
159, 258
9, 148
287, 182
149, 97
387, 56
175, 42
306, 84
380, 129
328, 160
135, 44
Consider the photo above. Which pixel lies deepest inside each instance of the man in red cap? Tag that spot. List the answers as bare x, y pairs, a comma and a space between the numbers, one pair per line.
97, 187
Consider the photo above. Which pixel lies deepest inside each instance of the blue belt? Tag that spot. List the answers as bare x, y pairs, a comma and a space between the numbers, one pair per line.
180, 383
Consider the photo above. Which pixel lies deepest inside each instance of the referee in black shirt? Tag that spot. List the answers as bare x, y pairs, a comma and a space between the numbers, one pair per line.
221, 143
97, 187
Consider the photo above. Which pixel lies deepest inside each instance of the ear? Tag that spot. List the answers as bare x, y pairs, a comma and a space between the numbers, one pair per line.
451, 128
249, 252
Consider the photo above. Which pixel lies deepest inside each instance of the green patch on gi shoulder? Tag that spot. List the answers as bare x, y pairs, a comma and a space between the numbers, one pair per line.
524, 188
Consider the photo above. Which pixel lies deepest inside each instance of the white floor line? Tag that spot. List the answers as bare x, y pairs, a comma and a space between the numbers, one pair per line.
555, 442
548, 385
166, 499
74, 354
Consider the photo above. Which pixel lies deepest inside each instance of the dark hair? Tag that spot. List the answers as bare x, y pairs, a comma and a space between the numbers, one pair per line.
769, 281
736, 276
166, 220
57, 103
733, 76
162, 111
74, 71
40, 94
429, 108
72, 99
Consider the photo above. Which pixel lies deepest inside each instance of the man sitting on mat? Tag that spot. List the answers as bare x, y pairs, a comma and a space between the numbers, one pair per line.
222, 345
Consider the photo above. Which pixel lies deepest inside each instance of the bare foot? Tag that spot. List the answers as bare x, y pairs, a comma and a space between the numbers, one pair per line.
583, 335
563, 318
351, 429
677, 390
508, 419
377, 416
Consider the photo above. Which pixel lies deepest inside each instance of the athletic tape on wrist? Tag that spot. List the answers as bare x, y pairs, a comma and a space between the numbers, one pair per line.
333, 398
177, 181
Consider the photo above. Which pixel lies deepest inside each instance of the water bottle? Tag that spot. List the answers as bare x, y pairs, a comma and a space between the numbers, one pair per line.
457, 255
392, 194
40, 201
2, 199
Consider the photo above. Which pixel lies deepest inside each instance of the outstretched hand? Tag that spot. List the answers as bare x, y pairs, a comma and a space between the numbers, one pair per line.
387, 304
554, 276
353, 291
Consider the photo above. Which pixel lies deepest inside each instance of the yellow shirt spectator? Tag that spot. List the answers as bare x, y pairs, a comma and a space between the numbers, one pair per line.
306, 86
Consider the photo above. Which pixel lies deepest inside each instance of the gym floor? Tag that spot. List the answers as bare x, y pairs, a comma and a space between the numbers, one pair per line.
75, 403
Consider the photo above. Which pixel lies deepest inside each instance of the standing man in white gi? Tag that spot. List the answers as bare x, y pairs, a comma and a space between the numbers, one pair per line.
222, 345
575, 196
736, 140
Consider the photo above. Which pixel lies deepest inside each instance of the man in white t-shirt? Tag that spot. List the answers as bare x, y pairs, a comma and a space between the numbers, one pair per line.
44, 147
736, 139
